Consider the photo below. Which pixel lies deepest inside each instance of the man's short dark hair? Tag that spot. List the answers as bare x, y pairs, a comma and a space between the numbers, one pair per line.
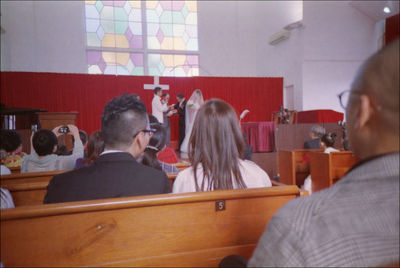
123, 117
44, 141
10, 140
156, 90
180, 95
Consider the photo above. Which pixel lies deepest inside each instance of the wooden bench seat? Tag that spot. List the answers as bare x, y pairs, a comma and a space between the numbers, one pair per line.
327, 169
158, 230
33, 193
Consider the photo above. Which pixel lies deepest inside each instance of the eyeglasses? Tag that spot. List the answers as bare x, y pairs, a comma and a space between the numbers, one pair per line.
150, 131
344, 98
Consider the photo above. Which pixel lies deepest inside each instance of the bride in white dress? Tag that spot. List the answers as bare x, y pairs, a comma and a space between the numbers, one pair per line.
192, 106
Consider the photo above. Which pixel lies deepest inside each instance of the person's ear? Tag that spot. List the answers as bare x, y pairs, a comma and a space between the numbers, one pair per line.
141, 141
364, 112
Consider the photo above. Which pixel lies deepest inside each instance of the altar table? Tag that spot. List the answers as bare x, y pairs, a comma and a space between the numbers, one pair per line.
319, 116
260, 135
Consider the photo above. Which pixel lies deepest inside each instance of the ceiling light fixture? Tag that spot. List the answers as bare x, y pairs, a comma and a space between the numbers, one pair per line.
386, 10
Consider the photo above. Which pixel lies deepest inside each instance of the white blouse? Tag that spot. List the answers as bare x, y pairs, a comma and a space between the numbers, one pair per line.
253, 176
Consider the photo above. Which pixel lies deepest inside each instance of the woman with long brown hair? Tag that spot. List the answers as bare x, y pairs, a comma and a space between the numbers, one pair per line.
216, 150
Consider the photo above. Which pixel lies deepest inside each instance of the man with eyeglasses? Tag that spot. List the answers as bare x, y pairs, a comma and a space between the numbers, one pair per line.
354, 223
116, 173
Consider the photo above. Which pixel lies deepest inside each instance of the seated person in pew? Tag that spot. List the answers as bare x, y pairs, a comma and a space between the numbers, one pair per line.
215, 151
4, 170
6, 199
326, 143
95, 146
63, 150
354, 223
84, 138
116, 173
316, 133
11, 144
156, 144
167, 155
43, 157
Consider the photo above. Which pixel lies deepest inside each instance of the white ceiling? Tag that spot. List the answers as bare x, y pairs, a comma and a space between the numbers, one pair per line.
374, 9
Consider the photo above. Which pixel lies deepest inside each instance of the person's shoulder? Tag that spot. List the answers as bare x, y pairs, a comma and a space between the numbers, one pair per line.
299, 212
75, 173
250, 165
149, 172
184, 174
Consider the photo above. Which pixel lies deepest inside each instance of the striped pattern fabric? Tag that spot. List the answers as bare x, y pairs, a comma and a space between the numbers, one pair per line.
167, 168
354, 223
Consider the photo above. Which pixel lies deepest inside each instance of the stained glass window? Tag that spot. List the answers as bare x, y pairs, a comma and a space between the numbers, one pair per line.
173, 65
172, 25
116, 43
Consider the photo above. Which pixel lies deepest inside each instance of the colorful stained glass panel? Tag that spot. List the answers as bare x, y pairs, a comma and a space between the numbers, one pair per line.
117, 24
171, 17
173, 65
117, 63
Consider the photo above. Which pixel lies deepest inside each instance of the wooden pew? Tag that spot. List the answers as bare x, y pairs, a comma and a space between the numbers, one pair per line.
175, 230
277, 183
33, 193
15, 170
326, 169
28, 177
290, 168
28, 193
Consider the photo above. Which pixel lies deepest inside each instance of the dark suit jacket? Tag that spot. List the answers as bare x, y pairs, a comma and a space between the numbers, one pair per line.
312, 144
111, 175
181, 112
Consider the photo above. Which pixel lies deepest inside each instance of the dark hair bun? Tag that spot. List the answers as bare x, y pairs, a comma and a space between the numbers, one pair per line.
329, 139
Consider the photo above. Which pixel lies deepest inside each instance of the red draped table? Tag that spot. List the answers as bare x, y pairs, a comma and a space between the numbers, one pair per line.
260, 135
319, 116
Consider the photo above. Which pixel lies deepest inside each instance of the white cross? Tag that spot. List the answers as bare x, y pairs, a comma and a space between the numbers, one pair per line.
156, 84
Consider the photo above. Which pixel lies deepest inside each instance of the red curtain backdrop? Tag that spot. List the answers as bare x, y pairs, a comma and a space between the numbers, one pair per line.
87, 94
392, 28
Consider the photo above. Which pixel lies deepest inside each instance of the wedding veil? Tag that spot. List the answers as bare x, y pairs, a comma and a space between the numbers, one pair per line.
197, 100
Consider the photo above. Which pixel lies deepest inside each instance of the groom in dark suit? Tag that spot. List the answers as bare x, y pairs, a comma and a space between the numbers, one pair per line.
181, 108
116, 173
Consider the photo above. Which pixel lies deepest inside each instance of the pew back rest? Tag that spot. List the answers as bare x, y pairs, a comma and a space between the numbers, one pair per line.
290, 167
157, 230
33, 193
29, 177
326, 169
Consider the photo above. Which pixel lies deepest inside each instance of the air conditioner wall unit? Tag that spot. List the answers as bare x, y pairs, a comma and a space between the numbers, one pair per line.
279, 37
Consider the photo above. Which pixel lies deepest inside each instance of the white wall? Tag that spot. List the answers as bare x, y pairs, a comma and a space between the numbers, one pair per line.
337, 39
319, 60
43, 36
234, 40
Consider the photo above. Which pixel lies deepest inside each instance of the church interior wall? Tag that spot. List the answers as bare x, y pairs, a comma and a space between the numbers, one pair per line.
318, 59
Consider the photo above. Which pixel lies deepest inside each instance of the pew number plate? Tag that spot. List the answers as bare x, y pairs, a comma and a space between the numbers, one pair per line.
219, 205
